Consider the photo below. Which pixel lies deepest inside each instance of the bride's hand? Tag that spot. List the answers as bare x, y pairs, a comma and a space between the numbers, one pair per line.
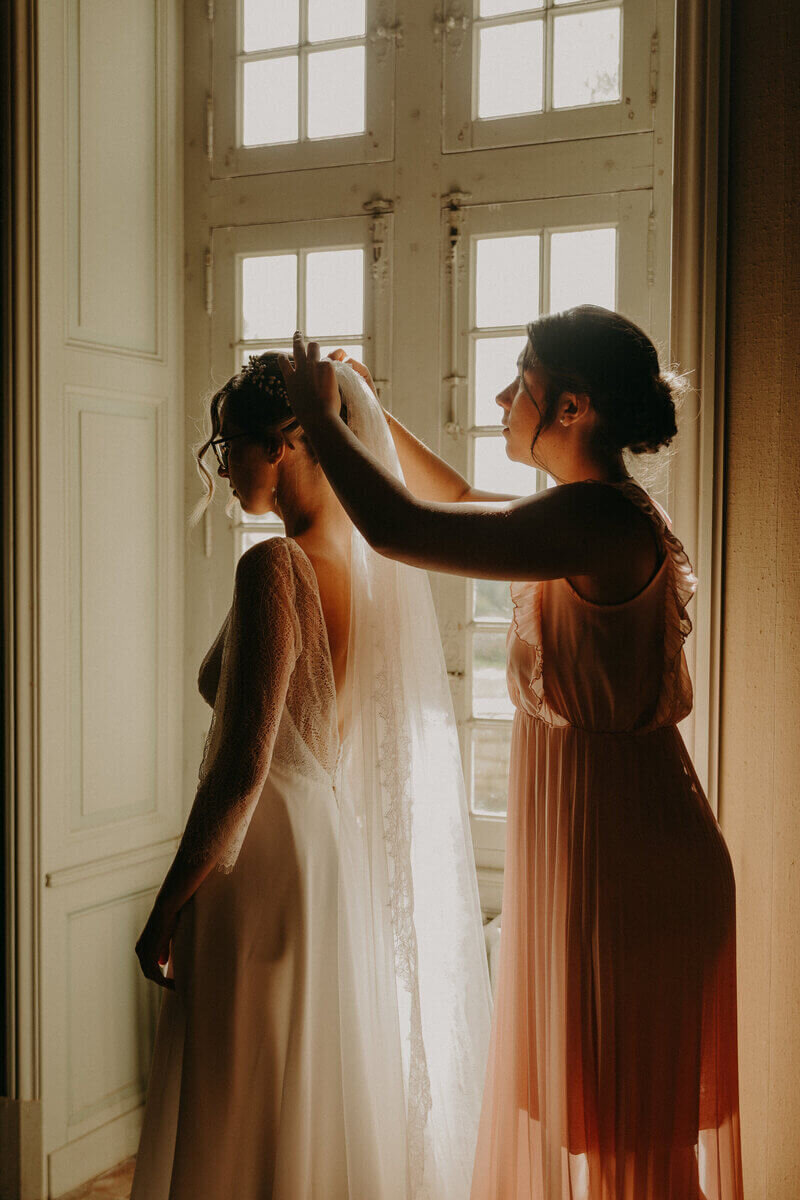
310, 383
153, 946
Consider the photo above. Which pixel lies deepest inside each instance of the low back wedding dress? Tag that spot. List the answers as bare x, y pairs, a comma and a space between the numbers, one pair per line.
328, 1032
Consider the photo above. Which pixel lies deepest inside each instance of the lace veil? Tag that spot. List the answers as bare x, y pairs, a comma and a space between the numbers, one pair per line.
415, 1032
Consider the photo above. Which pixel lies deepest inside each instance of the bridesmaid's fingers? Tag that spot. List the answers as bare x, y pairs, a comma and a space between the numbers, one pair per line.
339, 355
299, 348
312, 352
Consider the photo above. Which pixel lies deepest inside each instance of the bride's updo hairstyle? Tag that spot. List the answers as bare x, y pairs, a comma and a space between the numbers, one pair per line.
256, 402
604, 355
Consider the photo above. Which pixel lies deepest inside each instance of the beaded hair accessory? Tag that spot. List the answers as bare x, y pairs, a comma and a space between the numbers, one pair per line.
263, 373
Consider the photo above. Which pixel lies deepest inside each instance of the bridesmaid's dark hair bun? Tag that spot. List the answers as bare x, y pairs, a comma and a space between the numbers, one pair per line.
592, 350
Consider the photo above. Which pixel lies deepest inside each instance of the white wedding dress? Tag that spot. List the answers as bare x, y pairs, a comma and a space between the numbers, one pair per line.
328, 1032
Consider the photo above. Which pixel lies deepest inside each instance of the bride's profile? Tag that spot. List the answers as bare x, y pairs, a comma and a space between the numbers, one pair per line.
325, 1022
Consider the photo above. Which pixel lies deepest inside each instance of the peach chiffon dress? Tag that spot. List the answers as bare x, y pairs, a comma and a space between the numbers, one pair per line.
613, 1064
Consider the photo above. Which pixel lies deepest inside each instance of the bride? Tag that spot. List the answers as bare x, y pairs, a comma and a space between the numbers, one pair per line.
325, 1025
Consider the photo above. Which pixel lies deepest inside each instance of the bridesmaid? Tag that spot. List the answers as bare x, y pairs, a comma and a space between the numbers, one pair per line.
613, 1065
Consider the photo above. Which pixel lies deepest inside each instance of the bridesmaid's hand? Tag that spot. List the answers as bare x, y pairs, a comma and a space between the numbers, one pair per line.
359, 367
153, 946
310, 383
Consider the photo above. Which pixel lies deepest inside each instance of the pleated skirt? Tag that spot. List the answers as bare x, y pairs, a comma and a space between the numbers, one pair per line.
613, 1061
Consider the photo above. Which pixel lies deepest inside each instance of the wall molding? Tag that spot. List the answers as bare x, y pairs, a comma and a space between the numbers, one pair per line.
73, 335
111, 863
21, 783
94, 1110
82, 1159
108, 402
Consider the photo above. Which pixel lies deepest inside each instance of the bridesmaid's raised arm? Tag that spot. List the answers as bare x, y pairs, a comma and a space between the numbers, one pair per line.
563, 532
428, 476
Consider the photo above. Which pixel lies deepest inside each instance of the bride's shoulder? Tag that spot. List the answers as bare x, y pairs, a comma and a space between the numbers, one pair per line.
270, 561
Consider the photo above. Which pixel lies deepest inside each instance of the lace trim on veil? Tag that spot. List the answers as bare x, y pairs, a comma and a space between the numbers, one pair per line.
394, 762
394, 758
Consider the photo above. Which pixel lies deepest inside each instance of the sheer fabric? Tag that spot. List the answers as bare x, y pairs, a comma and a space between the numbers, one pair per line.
329, 1029
410, 867
613, 1064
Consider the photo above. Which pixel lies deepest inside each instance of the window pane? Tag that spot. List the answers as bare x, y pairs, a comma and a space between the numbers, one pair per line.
336, 92
498, 8
495, 367
586, 58
507, 281
583, 268
510, 71
491, 600
270, 101
269, 296
270, 23
345, 18
490, 754
334, 292
489, 691
495, 472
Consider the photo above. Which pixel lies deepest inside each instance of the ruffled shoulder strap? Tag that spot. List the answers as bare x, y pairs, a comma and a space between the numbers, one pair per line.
526, 623
675, 700
526, 617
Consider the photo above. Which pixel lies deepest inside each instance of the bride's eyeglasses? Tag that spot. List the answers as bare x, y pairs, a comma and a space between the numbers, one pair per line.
221, 447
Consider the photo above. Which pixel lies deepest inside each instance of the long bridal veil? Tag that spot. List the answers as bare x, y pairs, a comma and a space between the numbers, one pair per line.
415, 1016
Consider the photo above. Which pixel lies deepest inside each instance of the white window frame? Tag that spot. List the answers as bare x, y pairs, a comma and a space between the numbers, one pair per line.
632, 113
230, 245
629, 214
224, 116
420, 174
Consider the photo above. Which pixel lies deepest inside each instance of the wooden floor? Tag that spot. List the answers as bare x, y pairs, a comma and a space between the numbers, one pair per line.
113, 1185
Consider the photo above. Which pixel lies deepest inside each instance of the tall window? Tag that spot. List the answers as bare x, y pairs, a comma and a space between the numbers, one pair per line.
514, 278
295, 55
514, 262
417, 183
299, 84
269, 281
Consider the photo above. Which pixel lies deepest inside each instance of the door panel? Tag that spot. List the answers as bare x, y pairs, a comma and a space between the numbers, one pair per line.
110, 553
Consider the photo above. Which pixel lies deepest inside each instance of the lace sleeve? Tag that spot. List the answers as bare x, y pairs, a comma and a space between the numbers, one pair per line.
210, 667
259, 654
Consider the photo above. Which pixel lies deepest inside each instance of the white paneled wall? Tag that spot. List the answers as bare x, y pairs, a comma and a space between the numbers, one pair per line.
116, 141
111, 554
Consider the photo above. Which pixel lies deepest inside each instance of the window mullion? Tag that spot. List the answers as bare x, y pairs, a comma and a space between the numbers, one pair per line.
544, 272
549, 32
301, 291
302, 88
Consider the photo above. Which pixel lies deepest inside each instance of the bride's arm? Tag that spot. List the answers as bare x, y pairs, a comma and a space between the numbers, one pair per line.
562, 532
257, 661
428, 476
